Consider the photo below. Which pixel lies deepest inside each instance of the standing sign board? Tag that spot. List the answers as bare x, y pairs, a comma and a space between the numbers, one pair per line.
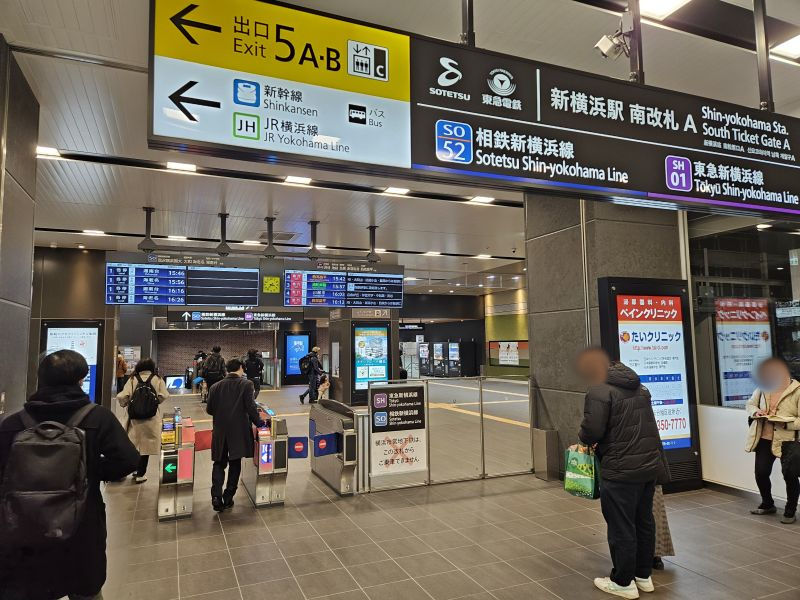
267, 81
398, 436
85, 338
744, 339
242, 75
645, 324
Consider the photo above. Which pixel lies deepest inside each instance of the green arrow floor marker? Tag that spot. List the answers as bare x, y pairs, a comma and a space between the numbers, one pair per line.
170, 468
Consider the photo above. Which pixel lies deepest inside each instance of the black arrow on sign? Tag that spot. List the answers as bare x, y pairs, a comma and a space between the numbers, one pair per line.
182, 23
178, 99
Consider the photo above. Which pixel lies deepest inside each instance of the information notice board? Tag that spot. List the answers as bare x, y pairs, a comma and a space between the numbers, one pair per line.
398, 435
265, 80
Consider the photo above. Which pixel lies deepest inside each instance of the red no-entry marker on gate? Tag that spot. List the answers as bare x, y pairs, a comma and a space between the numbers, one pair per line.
298, 447
323, 443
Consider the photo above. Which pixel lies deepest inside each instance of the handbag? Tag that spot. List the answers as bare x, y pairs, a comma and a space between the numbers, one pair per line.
581, 472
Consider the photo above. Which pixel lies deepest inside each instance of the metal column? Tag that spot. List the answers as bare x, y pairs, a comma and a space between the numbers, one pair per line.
762, 55
468, 23
637, 60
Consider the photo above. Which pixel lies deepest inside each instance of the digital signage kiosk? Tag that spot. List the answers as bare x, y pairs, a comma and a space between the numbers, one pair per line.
372, 361
296, 344
645, 324
85, 338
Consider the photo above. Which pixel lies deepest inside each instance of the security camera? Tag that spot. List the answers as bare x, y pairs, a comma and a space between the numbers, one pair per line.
612, 46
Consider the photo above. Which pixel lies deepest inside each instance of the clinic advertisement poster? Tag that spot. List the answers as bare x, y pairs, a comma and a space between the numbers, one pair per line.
296, 348
651, 342
744, 339
371, 355
84, 341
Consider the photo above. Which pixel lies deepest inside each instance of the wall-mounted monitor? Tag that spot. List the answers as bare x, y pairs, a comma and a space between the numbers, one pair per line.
178, 285
342, 289
85, 338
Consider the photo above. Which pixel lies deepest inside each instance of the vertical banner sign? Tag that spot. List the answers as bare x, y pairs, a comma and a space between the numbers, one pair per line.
651, 343
297, 346
371, 345
398, 438
255, 76
744, 339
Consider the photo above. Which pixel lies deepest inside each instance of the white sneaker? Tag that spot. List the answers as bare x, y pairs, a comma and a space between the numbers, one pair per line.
141, 479
645, 585
605, 584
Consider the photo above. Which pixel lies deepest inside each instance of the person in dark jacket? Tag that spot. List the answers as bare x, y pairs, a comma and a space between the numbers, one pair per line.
254, 369
233, 407
213, 367
78, 569
314, 373
618, 422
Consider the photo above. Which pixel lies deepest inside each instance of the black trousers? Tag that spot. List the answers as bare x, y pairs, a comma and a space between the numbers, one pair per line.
142, 469
764, 461
120, 383
256, 385
218, 475
312, 391
628, 511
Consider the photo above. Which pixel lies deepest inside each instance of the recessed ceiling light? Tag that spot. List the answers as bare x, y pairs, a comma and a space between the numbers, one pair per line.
411, 279
482, 199
451, 291
515, 278
458, 285
251, 243
398, 191
81, 246
381, 250
93, 232
46, 151
429, 291
480, 285
660, 9
483, 256
524, 268
790, 48
780, 268
432, 253
297, 180
490, 277
321, 247
179, 166
177, 238
763, 226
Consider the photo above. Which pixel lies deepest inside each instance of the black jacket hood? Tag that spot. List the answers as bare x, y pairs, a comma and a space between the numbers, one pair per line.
622, 376
51, 403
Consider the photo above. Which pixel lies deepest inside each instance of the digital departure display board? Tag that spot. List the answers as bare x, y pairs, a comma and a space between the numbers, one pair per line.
343, 289
177, 285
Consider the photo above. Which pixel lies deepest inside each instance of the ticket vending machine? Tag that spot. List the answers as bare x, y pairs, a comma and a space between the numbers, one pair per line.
176, 467
425, 359
453, 359
439, 367
264, 477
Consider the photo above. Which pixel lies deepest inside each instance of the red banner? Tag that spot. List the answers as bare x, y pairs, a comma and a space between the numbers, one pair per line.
649, 309
743, 310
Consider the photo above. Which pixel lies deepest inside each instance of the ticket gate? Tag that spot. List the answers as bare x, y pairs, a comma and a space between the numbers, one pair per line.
176, 467
332, 435
264, 477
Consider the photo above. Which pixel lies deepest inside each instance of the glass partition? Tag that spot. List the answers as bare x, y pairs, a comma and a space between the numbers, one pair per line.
507, 425
454, 430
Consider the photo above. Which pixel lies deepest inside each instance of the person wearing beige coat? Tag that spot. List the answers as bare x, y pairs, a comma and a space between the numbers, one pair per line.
146, 433
774, 410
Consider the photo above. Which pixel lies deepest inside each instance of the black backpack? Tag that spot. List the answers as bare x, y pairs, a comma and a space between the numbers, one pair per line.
45, 484
213, 367
305, 364
144, 400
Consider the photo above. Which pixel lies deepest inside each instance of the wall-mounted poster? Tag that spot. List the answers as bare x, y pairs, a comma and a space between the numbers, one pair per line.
744, 339
509, 354
85, 340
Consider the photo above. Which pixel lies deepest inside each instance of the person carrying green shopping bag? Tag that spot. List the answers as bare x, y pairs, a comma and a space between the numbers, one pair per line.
619, 425
582, 472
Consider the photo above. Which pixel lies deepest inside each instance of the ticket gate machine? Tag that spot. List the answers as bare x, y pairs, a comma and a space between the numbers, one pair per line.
264, 477
332, 434
176, 467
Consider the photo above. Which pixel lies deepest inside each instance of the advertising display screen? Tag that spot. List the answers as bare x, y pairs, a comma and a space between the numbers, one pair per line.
651, 342
508, 354
260, 78
371, 350
178, 285
84, 341
297, 346
175, 382
744, 339
438, 351
453, 353
343, 289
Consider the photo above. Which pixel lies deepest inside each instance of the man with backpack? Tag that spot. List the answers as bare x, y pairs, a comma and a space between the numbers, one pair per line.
254, 369
312, 368
213, 367
142, 396
53, 455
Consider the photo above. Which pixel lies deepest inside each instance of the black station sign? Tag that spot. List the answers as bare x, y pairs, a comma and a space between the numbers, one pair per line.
477, 113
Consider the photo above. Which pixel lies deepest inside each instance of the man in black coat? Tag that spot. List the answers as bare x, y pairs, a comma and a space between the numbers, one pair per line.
618, 422
231, 403
78, 568
314, 373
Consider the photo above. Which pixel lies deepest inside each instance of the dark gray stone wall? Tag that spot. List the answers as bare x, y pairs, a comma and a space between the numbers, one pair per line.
19, 133
619, 241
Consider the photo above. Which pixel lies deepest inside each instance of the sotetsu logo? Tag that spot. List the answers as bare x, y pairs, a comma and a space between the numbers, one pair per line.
448, 78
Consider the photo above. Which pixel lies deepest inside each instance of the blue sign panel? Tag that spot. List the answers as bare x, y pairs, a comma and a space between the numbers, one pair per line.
296, 348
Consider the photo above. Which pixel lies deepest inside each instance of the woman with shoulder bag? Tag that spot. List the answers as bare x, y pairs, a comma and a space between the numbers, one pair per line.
774, 413
145, 433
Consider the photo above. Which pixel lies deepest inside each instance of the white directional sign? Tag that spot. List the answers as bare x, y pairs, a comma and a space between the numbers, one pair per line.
245, 75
